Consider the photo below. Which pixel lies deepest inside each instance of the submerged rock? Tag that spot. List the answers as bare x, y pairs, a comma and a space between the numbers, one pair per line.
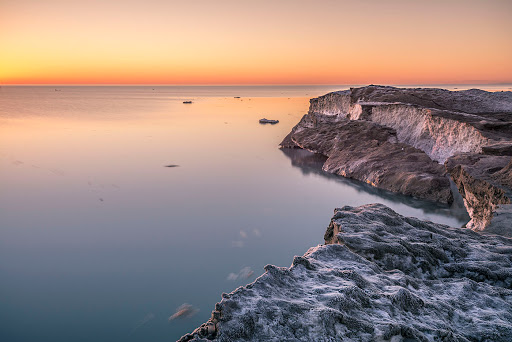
380, 277
440, 123
184, 311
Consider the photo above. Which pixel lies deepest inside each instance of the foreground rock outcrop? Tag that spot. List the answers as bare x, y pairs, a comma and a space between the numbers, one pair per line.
398, 139
380, 277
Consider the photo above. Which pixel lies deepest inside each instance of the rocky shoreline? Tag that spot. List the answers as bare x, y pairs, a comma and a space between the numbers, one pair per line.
371, 153
381, 276
412, 140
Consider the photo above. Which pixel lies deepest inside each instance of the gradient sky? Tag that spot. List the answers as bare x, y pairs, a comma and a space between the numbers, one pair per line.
255, 42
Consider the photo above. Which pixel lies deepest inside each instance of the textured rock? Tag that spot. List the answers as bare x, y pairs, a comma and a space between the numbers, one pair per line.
441, 123
381, 277
310, 163
498, 149
485, 183
370, 153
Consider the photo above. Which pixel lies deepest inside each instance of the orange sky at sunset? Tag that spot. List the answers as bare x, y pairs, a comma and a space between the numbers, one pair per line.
256, 42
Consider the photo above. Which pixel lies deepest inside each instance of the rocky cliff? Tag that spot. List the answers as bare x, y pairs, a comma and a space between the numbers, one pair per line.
403, 136
439, 122
370, 153
380, 277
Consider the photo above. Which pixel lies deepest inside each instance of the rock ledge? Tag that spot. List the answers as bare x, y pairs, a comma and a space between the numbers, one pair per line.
380, 277
398, 139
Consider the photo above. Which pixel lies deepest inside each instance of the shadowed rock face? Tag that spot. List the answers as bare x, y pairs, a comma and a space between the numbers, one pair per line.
381, 277
311, 163
441, 123
368, 152
484, 182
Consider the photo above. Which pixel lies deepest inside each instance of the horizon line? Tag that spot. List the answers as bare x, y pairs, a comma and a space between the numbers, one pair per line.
246, 84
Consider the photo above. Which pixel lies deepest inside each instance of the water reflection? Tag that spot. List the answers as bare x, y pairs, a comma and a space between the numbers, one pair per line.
311, 163
98, 238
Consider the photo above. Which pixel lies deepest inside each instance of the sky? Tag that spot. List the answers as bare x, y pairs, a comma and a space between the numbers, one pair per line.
255, 42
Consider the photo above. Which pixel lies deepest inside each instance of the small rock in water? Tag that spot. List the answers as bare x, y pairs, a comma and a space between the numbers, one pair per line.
172, 165
265, 121
187, 102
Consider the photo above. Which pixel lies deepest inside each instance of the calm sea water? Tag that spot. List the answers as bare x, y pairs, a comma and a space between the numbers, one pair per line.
99, 241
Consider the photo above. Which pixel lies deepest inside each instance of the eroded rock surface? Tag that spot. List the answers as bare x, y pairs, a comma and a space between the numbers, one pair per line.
380, 277
370, 153
438, 122
485, 183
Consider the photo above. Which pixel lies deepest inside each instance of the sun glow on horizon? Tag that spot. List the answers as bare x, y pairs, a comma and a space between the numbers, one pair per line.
232, 42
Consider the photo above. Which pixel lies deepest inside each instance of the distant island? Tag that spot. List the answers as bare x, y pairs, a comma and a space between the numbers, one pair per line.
382, 276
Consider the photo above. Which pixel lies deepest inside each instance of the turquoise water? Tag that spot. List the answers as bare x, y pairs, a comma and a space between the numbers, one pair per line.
99, 241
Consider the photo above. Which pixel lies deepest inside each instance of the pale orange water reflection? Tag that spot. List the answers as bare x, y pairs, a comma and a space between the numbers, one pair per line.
96, 234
